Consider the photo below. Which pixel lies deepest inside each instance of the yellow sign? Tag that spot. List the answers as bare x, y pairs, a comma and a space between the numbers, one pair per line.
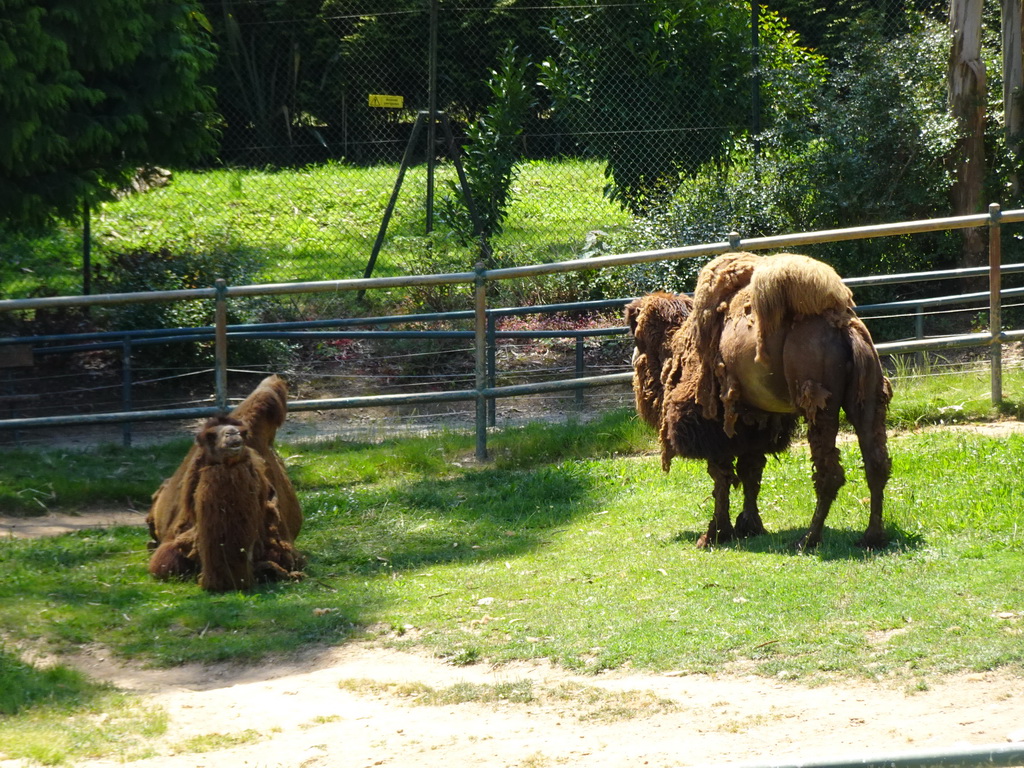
381, 100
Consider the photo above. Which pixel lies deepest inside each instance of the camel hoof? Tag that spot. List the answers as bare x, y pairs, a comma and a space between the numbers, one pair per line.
873, 541
746, 529
711, 540
807, 543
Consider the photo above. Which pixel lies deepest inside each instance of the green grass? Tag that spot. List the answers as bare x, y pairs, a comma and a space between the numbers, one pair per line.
48, 715
570, 544
34, 482
316, 223
940, 391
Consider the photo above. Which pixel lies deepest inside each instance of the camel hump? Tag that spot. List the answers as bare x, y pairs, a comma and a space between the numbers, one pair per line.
720, 279
789, 284
264, 410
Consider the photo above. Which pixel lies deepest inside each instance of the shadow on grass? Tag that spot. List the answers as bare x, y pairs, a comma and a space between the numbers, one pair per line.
482, 515
94, 586
837, 544
23, 686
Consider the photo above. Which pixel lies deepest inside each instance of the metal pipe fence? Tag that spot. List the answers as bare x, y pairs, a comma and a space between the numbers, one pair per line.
994, 755
484, 392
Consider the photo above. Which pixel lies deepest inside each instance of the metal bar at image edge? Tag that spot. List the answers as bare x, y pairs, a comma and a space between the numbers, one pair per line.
999, 755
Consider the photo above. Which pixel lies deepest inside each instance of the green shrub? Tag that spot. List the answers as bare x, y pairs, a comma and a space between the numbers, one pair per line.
492, 154
162, 270
870, 151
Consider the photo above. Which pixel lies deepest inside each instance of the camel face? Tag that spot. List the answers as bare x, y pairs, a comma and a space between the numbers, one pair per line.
230, 444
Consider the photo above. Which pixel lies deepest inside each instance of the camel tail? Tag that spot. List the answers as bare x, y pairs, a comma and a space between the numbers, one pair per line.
788, 284
873, 388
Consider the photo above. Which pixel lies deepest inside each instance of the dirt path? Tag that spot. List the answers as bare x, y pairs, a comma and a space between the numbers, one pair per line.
53, 524
305, 718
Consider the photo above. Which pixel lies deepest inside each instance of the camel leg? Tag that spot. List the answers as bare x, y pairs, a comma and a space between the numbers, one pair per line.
169, 560
749, 468
828, 472
720, 529
877, 468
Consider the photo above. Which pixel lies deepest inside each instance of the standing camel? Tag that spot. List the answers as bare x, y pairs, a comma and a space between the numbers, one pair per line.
725, 376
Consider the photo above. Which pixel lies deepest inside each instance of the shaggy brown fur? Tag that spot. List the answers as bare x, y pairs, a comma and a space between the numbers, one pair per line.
232, 502
262, 412
171, 517
786, 285
743, 367
720, 279
230, 528
653, 331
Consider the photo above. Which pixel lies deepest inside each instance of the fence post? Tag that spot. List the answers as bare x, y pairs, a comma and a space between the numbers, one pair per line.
995, 312
492, 367
579, 371
481, 361
220, 353
126, 389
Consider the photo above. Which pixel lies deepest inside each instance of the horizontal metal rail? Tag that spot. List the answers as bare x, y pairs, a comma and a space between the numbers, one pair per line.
483, 318
341, 322
921, 277
936, 301
298, 329
462, 395
116, 339
328, 403
209, 333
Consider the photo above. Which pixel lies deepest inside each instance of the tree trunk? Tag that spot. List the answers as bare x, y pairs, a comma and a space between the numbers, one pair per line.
967, 102
1013, 85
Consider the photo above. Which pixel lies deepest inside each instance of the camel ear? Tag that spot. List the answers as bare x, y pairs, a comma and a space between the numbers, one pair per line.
201, 437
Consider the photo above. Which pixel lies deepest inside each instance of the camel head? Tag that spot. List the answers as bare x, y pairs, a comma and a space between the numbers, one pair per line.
653, 320
222, 440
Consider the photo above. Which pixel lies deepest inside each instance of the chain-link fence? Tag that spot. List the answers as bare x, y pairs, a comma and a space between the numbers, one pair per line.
330, 165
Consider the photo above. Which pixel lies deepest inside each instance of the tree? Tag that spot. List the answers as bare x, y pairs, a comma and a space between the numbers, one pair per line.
387, 52
91, 91
873, 146
493, 150
661, 89
1013, 86
657, 87
823, 24
967, 102
269, 55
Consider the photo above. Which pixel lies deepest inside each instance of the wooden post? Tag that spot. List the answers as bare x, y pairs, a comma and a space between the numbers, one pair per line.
481, 362
967, 102
1013, 83
995, 312
220, 354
